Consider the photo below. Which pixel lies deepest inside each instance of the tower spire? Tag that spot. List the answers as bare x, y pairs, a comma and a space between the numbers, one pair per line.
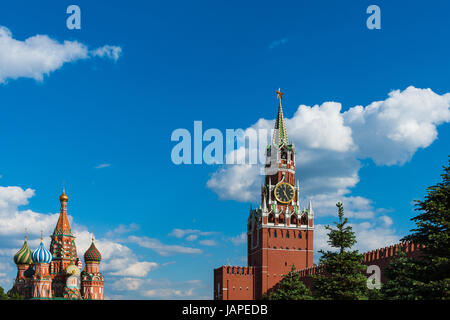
280, 137
63, 225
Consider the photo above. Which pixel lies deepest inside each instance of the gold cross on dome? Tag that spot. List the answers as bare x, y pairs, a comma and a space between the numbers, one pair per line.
279, 94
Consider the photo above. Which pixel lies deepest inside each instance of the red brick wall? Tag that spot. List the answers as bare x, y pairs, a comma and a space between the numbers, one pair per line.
380, 257
234, 283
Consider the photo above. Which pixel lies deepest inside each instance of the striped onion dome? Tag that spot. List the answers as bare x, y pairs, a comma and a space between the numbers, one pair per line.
42, 255
92, 254
23, 256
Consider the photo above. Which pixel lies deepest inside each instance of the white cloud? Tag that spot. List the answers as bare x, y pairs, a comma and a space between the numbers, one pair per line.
103, 165
239, 239
122, 228
161, 248
108, 51
138, 269
392, 130
160, 289
40, 55
236, 182
180, 233
192, 237
190, 234
208, 242
369, 236
330, 143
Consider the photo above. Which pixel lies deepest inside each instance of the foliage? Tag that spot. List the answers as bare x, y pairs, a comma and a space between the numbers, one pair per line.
427, 276
343, 272
290, 288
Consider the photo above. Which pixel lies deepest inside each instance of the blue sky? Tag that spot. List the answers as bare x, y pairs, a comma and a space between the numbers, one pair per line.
102, 124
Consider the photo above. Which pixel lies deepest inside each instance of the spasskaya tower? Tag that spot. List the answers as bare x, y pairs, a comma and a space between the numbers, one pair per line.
279, 233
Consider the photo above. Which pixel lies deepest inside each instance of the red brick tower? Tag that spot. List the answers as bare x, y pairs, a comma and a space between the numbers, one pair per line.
279, 233
62, 248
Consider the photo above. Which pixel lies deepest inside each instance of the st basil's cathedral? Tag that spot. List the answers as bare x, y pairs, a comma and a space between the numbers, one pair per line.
58, 273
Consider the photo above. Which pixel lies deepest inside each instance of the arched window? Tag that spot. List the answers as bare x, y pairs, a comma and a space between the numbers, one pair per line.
304, 220
299, 234
271, 218
287, 234
274, 233
293, 219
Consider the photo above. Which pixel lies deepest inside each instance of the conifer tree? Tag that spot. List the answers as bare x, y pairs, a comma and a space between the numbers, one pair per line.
427, 276
343, 272
290, 288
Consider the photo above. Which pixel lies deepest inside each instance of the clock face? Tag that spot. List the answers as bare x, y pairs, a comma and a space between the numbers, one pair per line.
284, 192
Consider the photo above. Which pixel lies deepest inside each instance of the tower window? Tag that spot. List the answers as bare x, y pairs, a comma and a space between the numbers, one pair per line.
275, 233
300, 235
287, 234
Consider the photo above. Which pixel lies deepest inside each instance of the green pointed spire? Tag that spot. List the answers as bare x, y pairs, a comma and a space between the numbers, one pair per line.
280, 137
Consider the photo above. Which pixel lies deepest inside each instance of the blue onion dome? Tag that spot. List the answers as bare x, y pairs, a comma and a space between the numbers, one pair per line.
41, 254
23, 256
92, 254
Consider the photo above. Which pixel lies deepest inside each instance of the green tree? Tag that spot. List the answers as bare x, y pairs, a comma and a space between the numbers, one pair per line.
3, 295
343, 272
426, 276
290, 287
400, 274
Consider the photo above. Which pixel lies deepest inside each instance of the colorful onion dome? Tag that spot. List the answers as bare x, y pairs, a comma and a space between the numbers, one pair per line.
42, 255
92, 254
23, 256
72, 269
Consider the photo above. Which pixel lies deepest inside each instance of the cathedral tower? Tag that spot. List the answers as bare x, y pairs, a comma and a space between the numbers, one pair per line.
23, 261
41, 284
62, 247
91, 279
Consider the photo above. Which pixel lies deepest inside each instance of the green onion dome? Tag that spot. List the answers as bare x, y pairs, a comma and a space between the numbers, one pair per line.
23, 256
92, 254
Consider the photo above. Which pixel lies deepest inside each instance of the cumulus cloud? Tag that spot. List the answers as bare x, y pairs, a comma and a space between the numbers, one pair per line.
330, 143
40, 55
392, 130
